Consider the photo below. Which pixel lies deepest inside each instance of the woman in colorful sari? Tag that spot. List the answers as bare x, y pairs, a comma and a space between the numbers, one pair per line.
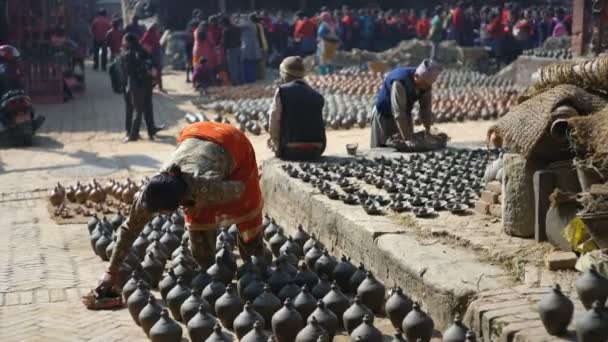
328, 43
150, 41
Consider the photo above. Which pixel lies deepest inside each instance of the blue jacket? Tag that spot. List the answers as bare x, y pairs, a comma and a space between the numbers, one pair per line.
406, 77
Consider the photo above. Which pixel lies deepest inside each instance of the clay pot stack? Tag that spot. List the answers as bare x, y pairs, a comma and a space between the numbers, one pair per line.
424, 184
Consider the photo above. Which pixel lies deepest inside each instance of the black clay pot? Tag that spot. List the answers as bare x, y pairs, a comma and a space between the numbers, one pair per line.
150, 314
95, 235
286, 323
185, 271
313, 254
177, 229
212, 292
336, 301
176, 297
326, 318
325, 265
110, 247
226, 237
234, 231
170, 240
592, 326
278, 279
243, 323
154, 268
228, 306
140, 244
191, 305
256, 334
266, 304
228, 259
353, 316
291, 291
306, 277
182, 252
270, 230
300, 237
218, 335
291, 246
247, 276
311, 332
221, 271
159, 250
342, 273
418, 325
138, 300
556, 312
310, 243
322, 288
200, 327
158, 222
471, 337
92, 223
130, 285
254, 289
372, 293
591, 286
398, 336
357, 278
100, 246
366, 332
277, 241
397, 306
305, 303
457, 332
201, 280
165, 329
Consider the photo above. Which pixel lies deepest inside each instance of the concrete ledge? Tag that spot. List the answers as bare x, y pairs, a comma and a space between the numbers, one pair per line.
444, 278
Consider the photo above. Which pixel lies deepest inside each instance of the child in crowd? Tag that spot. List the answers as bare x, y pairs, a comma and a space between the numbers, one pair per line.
203, 75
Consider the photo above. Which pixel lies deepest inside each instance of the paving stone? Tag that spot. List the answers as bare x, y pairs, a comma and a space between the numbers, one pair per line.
57, 295
42, 296
558, 260
495, 187
489, 197
495, 210
482, 207
26, 297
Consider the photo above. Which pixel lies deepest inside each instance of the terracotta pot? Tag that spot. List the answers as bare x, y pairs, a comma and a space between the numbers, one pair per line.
342, 273
138, 300
322, 288
337, 302
165, 329
457, 332
245, 321
291, 291
326, 318
372, 293
277, 240
286, 323
592, 326
154, 268
325, 265
312, 332
591, 286
313, 254
212, 292
418, 325
167, 284
266, 304
176, 297
556, 311
150, 314
300, 237
218, 335
357, 278
278, 279
257, 334
366, 332
291, 246
353, 316
200, 327
305, 276
305, 302
228, 307
191, 305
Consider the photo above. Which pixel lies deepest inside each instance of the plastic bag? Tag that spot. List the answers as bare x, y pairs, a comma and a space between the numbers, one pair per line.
579, 238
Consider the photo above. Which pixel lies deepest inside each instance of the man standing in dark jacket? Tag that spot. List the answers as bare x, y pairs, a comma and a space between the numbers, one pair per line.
297, 130
231, 38
100, 27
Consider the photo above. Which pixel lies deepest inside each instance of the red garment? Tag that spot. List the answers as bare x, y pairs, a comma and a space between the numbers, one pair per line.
267, 24
496, 29
458, 19
99, 27
506, 16
305, 29
247, 211
423, 27
114, 40
214, 32
204, 48
412, 22
150, 41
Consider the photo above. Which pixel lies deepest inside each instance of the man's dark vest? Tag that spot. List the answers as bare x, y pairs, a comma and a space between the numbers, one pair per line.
406, 77
302, 115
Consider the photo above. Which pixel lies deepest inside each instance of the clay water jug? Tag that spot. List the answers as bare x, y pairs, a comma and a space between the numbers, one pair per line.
243, 323
366, 332
254, 289
311, 332
226, 237
266, 304
372, 293
397, 306
592, 326
336, 301
159, 250
277, 241
183, 270
218, 335
342, 273
270, 230
110, 247
300, 237
291, 245
140, 244
306, 277
150, 314
138, 300
310, 243
286, 323
221, 271
256, 334
326, 318
183, 245
191, 305
130, 286
92, 223
201, 280
154, 268
556, 311
322, 288
176, 297
227, 257
325, 265
457, 332
200, 327
117, 220
170, 240
591, 286
185, 254
357, 278
313, 254
278, 279
291, 291
289, 263
101, 244
249, 274
354, 315
156, 235
418, 325
305, 302
165, 329
228, 306
177, 229
212, 292
167, 283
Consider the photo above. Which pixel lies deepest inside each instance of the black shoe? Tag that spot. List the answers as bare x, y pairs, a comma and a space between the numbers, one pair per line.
157, 129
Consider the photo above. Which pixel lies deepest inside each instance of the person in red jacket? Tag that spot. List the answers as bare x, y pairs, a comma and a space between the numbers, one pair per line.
458, 23
114, 38
100, 27
423, 26
305, 33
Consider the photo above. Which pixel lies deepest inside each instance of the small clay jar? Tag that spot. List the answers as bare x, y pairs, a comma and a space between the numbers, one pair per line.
212, 292
457, 332
311, 332
226, 237
322, 288
286, 323
101, 244
201, 280
176, 297
227, 257
266, 304
313, 254
140, 244
233, 230
110, 247
305, 302
366, 332
228, 306
353, 316
305, 276
249, 273
471, 337
218, 335
300, 237
221, 271
183, 270
138, 300
310, 243
592, 326
191, 305
56, 197
277, 241
254, 289
397, 306
159, 250
200, 327
270, 230
342, 273
398, 336
556, 312
150, 314
131, 285
357, 278
154, 268
337, 302
418, 325
170, 240
289, 262
372, 293
177, 229
291, 291
92, 223
167, 283
243, 323
291, 245
165, 329
325, 265
278, 279
591, 286
256, 334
